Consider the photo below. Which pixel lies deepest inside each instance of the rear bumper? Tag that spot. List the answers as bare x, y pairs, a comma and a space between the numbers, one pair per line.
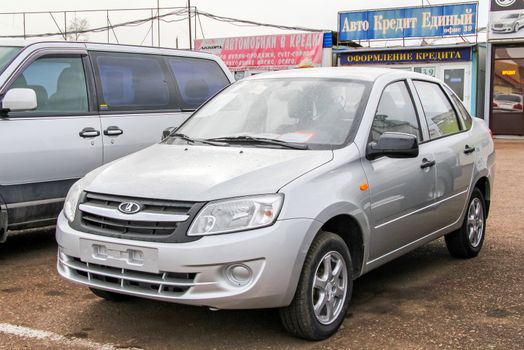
194, 273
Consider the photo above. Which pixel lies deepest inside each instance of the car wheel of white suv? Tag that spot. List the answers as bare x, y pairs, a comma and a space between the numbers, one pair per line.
467, 241
323, 292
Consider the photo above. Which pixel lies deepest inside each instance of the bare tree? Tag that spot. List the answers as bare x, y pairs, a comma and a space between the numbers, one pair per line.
75, 26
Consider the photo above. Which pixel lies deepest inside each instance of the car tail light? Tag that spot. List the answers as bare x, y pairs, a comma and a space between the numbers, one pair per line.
517, 106
490, 133
494, 104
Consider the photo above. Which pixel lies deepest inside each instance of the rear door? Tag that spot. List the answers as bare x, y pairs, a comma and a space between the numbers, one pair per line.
139, 96
43, 151
454, 152
401, 189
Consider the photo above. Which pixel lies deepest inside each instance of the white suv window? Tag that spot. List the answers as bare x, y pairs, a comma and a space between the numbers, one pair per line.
59, 84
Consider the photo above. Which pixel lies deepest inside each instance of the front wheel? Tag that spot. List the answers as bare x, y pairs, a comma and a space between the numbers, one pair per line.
323, 292
467, 241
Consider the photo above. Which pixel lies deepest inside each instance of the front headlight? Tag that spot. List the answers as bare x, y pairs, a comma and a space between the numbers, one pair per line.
71, 201
237, 214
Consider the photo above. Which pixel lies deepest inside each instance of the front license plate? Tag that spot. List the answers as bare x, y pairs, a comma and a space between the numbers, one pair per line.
119, 255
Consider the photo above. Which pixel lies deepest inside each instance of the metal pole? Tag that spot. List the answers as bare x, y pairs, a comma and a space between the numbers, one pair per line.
65, 25
158, 14
107, 21
195, 11
189, 18
152, 34
23, 18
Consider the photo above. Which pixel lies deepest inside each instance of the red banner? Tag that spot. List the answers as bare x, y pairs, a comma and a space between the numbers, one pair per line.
266, 52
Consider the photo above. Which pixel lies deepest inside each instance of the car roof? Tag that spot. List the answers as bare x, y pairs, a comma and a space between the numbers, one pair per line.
104, 47
351, 73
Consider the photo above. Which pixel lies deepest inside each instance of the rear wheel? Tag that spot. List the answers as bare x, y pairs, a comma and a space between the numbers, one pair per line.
324, 290
111, 296
467, 241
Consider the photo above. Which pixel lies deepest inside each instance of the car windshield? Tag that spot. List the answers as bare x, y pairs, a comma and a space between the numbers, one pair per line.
319, 113
509, 98
6, 55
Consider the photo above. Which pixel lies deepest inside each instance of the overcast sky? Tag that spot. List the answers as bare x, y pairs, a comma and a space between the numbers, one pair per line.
311, 14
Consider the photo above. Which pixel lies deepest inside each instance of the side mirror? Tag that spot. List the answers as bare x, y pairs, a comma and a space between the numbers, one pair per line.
168, 131
19, 99
393, 145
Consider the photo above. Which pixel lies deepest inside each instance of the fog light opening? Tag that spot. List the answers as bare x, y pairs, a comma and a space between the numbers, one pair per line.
239, 274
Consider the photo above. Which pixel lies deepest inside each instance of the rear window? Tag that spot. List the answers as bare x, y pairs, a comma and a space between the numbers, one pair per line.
132, 82
197, 79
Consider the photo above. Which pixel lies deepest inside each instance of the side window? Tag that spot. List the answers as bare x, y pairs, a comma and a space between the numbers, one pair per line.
440, 115
395, 112
463, 113
131, 82
197, 79
59, 84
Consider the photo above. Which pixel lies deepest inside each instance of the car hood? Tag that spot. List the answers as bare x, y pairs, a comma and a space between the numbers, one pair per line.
505, 21
203, 173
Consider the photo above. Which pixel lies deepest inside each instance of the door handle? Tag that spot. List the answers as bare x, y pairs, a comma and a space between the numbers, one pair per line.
89, 132
468, 149
113, 131
427, 163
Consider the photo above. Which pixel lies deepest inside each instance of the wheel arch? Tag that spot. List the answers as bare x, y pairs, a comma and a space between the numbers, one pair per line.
4, 220
483, 184
348, 228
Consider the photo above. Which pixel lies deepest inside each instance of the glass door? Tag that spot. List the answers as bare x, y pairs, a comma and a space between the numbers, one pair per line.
507, 77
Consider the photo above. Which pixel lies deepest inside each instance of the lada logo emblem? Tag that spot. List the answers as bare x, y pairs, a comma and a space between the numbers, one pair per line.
129, 207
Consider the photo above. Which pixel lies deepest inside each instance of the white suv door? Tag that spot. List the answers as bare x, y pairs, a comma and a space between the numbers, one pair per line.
140, 95
45, 150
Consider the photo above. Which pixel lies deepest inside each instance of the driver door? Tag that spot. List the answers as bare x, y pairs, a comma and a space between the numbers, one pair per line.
43, 151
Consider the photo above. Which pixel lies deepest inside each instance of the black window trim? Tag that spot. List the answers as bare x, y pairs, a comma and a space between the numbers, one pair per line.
462, 130
59, 53
412, 99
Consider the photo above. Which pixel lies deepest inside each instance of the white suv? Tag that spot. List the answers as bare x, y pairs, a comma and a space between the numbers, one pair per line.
68, 108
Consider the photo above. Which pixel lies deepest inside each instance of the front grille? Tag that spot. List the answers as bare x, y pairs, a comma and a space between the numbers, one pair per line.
166, 284
111, 225
110, 222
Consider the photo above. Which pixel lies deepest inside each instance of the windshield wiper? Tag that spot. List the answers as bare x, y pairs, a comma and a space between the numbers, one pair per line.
192, 141
258, 140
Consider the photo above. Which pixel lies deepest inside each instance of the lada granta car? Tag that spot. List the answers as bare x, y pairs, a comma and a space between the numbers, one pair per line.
280, 192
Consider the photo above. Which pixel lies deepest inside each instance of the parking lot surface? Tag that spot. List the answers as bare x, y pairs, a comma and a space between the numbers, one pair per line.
424, 300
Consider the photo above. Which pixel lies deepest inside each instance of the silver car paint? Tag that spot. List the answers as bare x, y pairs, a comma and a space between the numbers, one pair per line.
203, 173
315, 193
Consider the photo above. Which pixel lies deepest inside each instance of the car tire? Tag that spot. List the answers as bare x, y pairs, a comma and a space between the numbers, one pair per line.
467, 242
110, 296
326, 281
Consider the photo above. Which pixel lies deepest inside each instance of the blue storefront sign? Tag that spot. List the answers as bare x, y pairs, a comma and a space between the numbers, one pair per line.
406, 56
413, 22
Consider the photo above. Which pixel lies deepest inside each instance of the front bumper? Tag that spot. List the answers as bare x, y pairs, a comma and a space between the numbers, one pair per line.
194, 273
505, 29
